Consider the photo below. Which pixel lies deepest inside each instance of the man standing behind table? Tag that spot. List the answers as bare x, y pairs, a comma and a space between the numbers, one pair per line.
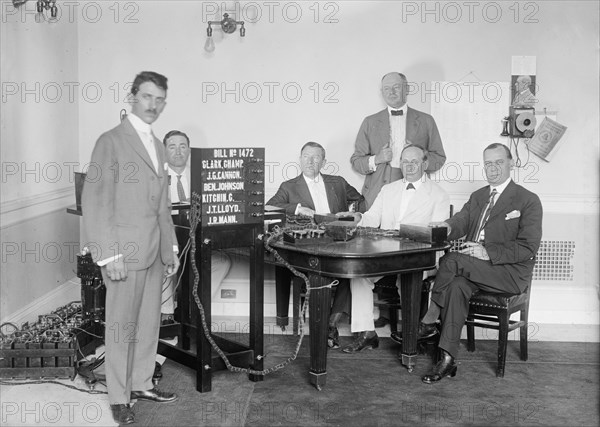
177, 148
128, 227
309, 193
383, 135
502, 223
413, 199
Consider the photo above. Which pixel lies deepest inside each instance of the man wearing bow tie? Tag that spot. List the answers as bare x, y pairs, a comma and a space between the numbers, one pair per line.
413, 199
128, 228
383, 135
502, 226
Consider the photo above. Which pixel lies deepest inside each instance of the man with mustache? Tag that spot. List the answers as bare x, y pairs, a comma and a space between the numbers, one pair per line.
524, 97
127, 224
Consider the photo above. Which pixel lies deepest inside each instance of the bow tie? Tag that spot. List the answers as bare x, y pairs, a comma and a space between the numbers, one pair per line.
397, 113
410, 186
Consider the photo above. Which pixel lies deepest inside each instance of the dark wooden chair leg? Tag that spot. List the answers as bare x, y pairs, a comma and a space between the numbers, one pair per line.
393, 319
502, 343
470, 337
523, 333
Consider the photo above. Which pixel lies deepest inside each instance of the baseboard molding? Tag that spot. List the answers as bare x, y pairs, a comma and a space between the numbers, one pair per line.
228, 318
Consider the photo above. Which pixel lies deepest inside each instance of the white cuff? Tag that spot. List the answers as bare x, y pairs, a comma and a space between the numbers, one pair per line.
372, 165
297, 209
176, 249
107, 260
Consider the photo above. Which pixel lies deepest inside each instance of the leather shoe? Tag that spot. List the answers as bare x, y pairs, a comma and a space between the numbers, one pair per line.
361, 343
333, 337
444, 368
122, 414
426, 331
381, 322
154, 395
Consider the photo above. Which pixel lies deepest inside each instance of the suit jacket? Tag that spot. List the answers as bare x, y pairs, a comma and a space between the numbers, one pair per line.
374, 134
513, 231
295, 190
124, 201
429, 203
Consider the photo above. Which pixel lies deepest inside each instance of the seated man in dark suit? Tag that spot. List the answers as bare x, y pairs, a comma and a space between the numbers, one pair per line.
502, 223
307, 194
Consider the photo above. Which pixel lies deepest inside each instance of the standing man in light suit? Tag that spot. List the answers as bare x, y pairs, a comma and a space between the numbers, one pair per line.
383, 135
413, 199
128, 228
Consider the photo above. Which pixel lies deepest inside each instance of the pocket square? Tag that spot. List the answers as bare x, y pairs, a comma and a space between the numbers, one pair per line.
513, 214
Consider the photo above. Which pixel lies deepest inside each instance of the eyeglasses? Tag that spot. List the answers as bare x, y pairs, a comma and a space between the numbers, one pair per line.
395, 88
411, 162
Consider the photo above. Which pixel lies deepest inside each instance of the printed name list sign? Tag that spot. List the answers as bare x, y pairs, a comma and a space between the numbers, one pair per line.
230, 182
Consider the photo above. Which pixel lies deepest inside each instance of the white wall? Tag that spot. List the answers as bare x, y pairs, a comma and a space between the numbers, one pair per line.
345, 59
39, 150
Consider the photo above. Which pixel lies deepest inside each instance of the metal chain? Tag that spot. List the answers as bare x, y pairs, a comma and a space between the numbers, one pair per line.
195, 217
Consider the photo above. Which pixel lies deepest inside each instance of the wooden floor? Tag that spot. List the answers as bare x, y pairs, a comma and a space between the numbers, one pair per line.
558, 385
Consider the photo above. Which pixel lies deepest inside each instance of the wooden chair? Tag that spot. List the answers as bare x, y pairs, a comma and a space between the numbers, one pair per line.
389, 298
493, 311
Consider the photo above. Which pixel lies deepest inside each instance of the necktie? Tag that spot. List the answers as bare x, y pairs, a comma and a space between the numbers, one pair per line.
410, 186
180, 190
397, 113
486, 215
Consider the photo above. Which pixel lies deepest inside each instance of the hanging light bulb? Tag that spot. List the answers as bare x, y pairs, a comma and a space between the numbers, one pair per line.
209, 46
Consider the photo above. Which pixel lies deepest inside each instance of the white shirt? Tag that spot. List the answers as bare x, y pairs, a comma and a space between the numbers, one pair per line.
407, 196
318, 193
397, 135
144, 130
499, 189
185, 181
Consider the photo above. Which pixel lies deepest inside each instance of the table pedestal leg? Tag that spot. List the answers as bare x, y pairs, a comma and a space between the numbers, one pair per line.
319, 304
410, 296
